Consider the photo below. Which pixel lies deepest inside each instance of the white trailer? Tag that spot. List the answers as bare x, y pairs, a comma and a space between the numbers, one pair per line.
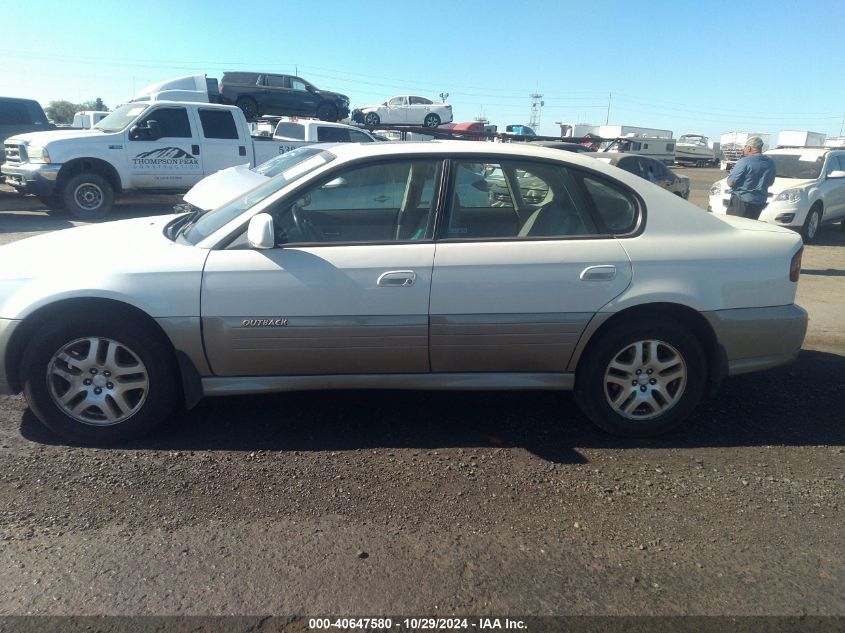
731, 144
800, 138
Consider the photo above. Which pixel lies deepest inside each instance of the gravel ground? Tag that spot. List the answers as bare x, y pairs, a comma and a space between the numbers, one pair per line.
435, 504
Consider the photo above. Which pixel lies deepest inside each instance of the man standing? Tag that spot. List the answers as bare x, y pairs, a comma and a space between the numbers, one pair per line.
750, 180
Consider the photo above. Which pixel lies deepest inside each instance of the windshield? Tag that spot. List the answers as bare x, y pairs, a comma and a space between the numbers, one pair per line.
121, 117
693, 139
281, 171
803, 166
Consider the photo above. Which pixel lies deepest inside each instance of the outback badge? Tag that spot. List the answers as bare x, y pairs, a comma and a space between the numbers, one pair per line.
264, 322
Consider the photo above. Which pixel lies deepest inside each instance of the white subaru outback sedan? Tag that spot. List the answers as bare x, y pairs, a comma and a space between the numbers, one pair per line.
439, 265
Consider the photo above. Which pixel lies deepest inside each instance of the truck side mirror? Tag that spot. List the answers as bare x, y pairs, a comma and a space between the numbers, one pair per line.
836, 173
153, 130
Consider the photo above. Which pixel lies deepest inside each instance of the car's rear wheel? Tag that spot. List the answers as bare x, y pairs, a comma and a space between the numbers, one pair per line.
431, 120
99, 380
643, 378
810, 230
248, 106
371, 118
87, 196
327, 112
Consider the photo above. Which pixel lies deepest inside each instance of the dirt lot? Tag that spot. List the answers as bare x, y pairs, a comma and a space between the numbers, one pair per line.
436, 504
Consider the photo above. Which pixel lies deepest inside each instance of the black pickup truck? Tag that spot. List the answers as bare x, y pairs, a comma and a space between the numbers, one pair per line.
21, 115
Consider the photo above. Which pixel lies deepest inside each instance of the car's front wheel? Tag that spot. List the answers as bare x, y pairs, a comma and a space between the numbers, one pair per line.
327, 112
87, 196
641, 378
99, 380
811, 225
371, 118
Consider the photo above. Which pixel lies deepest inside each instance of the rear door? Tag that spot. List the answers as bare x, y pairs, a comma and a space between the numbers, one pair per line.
172, 161
222, 145
513, 294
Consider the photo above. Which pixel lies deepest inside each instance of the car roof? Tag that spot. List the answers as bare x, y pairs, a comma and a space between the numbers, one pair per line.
352, 151
807, 151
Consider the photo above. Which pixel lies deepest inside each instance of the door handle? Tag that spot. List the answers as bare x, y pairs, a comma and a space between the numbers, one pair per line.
195, 150
381, 198
605, 272
397, 279
241, 150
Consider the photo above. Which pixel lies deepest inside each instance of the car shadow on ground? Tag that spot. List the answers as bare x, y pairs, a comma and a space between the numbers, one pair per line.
830, 235
800, 404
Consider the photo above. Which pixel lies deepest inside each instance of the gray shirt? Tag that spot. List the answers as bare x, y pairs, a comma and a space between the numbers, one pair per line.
751, 177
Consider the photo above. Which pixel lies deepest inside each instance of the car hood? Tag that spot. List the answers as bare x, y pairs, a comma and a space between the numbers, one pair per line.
779, 185
93, 251
373, 106
328, 94
222, 186
42, 138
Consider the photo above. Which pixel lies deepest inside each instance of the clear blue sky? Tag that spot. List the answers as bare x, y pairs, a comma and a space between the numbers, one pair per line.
687, 66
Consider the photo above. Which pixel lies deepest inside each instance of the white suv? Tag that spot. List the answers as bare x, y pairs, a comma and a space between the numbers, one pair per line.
809, 190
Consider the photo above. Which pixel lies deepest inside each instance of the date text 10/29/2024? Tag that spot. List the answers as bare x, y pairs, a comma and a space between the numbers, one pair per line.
417, 624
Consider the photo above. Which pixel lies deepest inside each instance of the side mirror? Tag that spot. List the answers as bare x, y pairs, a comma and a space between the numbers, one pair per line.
836, 173
153, 130
260, 232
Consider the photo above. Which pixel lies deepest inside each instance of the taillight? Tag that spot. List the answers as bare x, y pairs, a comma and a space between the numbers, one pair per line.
795, 265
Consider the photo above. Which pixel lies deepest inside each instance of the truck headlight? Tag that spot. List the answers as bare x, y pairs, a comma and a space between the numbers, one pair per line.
789, 195
716, 189
37, 154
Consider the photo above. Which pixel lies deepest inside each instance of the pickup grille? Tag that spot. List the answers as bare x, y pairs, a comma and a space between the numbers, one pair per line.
15, 153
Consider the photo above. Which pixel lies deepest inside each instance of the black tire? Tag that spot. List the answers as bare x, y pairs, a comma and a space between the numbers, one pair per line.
673, 343
810, 230
139, 341
249, 107
431, 120
87, 196
327, 112
371, 119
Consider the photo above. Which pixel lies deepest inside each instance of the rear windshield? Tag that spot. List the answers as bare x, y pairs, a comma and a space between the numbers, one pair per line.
287, 129
803, 166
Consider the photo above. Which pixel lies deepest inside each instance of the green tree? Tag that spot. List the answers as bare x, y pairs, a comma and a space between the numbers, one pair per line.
61, 112
96, 104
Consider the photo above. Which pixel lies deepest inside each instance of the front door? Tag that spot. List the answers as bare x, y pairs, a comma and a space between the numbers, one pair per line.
172, 161
346, 290
520, 271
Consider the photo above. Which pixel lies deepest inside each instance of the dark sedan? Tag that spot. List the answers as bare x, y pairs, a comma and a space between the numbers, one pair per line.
650, 169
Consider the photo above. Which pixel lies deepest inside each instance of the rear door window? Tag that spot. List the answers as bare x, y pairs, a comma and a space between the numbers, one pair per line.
515, 200
616, 208
218, 124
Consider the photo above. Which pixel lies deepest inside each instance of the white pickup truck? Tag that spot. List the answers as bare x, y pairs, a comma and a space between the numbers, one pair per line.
155, 146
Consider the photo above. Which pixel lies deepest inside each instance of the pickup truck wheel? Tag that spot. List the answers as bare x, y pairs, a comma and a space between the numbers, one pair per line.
327, 112
99, 380
811, 225
87, 196
248, 106
372, 119
641, 379
431, 120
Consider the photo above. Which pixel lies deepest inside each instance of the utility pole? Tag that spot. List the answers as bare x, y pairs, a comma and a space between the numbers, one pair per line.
444, 96
609, 99
537, 104
842, 125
